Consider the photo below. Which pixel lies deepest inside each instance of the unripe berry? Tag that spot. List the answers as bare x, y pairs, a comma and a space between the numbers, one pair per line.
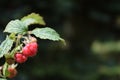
20, 58
12, 72
30, 49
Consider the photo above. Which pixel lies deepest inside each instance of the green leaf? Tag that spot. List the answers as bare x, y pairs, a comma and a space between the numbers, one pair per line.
33, 18
2, 79
5, 46
16, 26
5, 71
47, 33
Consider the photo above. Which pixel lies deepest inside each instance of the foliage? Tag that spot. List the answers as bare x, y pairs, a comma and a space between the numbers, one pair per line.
19, 30
83, 23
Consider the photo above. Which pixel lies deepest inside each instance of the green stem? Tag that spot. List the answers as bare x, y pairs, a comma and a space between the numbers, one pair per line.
15, 50
5, 72
18, 40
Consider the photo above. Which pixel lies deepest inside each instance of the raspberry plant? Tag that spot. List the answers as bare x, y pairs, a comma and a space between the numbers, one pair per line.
20, 44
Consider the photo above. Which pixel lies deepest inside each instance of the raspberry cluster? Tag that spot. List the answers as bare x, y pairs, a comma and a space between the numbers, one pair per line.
29, 50
20, 44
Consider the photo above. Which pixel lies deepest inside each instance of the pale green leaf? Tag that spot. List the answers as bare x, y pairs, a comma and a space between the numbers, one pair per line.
33, 18
5, 71
2, 79
16, 26
5, 46
46, 33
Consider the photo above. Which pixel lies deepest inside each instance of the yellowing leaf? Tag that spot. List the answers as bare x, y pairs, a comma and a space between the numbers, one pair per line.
33, 18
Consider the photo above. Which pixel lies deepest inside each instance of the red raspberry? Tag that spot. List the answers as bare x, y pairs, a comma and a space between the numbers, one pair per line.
20, 58
30, 49
12, 72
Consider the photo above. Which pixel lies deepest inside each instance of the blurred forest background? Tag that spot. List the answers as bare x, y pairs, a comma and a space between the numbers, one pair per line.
91, 29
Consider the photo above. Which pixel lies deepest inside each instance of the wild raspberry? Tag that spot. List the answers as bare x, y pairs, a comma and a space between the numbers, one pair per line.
20, 58
12, 72
30, 49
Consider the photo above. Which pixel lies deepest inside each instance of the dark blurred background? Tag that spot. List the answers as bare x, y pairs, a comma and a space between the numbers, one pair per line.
91, 29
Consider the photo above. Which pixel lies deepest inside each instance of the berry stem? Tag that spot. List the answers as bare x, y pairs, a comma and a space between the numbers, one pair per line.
18, 39
15, 50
